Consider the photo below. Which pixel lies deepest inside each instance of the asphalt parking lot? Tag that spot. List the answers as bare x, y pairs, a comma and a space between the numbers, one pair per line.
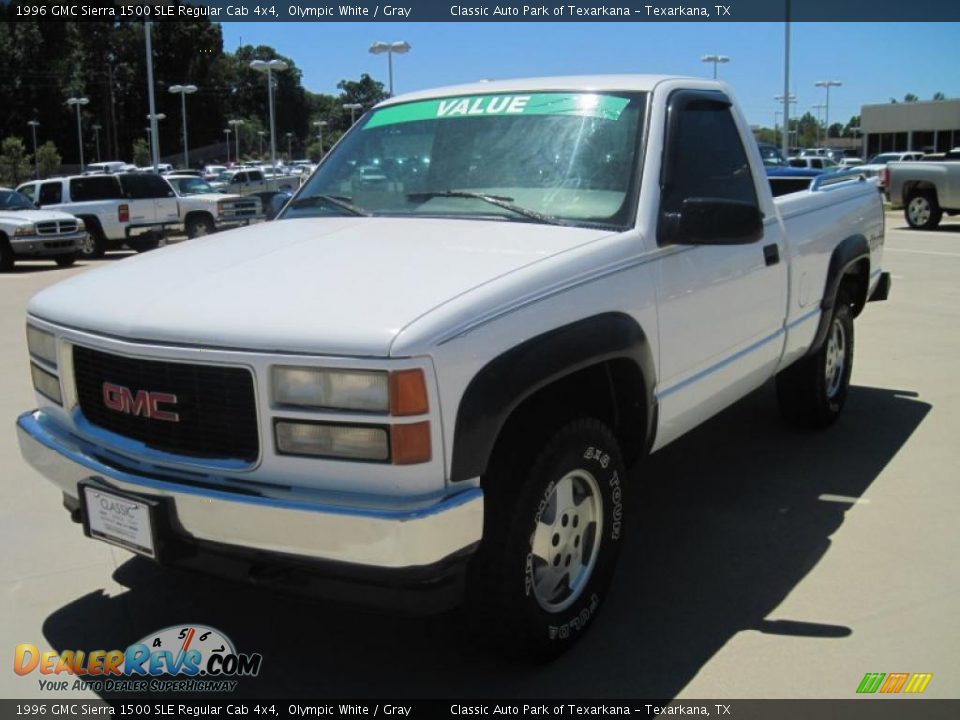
762, 562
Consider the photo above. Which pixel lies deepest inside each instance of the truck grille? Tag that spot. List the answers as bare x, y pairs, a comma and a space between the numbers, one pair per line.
56, 227
215, 407
242, 208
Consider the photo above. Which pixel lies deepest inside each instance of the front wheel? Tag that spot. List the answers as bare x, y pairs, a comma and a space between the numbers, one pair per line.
552, 533
65, 260
812, 391
94, 243
200, 225
922, 211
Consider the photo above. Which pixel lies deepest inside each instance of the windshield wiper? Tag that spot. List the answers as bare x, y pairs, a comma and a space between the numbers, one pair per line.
338, 201
498, 200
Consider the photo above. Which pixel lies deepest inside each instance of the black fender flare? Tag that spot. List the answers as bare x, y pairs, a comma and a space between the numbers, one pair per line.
512, 377
848, 253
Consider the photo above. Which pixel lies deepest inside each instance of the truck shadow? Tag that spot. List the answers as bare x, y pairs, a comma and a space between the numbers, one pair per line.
726, 522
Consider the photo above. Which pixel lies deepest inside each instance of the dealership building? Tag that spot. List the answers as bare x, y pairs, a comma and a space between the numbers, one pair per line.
930, 126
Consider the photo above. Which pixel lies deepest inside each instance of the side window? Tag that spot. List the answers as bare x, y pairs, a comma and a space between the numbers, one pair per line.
817, 163
240, 177
709, 160
256, 176
51, 193
144, 186
27, 191
94, 187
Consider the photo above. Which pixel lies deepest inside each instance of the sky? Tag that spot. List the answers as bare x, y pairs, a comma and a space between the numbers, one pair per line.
874, 61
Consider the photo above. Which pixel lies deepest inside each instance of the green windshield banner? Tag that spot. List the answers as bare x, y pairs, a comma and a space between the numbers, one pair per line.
606, 107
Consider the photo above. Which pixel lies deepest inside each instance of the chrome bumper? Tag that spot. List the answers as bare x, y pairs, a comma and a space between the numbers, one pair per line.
393, 538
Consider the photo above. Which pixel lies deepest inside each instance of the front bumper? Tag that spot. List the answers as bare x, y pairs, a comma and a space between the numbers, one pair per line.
416, 547
46, 245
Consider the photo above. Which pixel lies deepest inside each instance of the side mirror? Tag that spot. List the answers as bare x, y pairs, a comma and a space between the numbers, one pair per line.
712, 221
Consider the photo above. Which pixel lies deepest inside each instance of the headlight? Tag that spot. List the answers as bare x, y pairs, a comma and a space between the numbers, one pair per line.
350, 442
25, 230
42, 344
363, 390
45, 383
81, 225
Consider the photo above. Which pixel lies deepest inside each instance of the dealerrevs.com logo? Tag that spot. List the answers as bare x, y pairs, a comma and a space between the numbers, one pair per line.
181, 658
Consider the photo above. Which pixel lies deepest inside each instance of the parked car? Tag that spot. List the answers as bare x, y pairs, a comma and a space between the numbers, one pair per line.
850, 162
245, 182
203, 210
924, 189
772, 157
785, 180
272, 201
212, 172
26, 232
874, 166
429, 395
813, 162
103, 168
129, 208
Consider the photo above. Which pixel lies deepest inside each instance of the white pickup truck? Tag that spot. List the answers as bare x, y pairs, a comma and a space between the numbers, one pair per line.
128, 208
203, 210
430, 391
26, 232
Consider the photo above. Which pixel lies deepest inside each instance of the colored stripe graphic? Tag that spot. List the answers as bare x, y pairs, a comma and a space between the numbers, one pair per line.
895, 682
918, 683
871, 682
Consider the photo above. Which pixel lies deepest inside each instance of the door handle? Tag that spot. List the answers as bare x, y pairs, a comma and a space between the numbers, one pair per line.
771, 254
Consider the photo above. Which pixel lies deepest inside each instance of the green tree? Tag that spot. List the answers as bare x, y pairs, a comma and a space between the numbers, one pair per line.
939, 96
910, 98
15, 165
48, 159
141, 152
367, 91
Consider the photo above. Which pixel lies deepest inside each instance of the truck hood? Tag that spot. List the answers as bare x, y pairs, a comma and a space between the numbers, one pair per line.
32, 216
211, 197
339, 286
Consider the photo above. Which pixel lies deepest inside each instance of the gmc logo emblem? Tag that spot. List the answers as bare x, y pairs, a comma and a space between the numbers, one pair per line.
143, 404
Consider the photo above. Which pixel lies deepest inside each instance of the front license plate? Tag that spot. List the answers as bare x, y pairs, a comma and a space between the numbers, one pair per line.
122, 520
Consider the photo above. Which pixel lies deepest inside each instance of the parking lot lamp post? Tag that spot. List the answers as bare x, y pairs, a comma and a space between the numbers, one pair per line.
319, 125
183, 91
827, 84
818, 107
36, 161
96, 134
227, 133
153, 116
792, 100
269, 67
716, 60
153, 134
77, 102
399, 47
352, 107
235, 124
289, 147
261, 133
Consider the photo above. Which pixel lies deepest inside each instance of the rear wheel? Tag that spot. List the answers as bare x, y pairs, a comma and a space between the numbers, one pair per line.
812, 391
145, 243
922, 210
551, 539
94, 243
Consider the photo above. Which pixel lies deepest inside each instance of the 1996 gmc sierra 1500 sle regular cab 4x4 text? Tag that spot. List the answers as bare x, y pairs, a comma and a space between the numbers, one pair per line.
429, 390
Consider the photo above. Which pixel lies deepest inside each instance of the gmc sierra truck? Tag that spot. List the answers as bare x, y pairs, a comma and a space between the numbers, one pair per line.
428, 392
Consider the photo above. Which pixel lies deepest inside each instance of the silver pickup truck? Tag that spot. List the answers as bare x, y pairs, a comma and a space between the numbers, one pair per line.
925, 189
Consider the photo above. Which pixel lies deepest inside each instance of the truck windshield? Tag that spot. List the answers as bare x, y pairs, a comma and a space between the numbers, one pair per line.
192, 186
10, 200
560, 157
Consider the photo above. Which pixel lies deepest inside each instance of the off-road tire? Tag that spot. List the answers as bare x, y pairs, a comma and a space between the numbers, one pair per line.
523, 521
813, 391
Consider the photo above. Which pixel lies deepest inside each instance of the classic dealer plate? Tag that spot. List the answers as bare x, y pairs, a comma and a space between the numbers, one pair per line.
119, 519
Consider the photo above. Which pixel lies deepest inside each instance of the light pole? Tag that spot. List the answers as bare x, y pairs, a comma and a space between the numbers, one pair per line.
153, 130
261, 133
399, 47
77, 102
269, 67
785, 98
289, 147
235, 124
716, 60
96, 133
352, 107
818, 107
153, 117
227, 133
828, 84
183, 91
36, 161
790, 100
319, 125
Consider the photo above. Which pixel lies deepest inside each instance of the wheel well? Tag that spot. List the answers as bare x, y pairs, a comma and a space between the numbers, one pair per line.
91, 222
199, 213
912, 188
611, 391
854, 286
